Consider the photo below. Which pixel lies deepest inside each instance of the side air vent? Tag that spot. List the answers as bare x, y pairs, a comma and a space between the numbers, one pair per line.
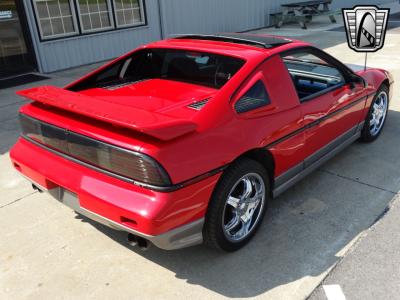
246, 104
254, 98
198, 105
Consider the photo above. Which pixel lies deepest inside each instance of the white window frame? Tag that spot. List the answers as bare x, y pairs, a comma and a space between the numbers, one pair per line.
110, 14
55, 36
142, 15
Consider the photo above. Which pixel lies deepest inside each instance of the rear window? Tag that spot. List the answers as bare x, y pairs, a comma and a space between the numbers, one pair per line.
200, 68
188, 66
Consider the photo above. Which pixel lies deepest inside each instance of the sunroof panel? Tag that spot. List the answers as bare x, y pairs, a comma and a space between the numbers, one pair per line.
240, 38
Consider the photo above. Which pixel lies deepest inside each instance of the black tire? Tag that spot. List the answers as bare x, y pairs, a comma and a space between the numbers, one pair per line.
213, 232
366, 135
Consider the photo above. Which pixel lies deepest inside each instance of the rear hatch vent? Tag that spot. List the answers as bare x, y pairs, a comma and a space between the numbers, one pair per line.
198, 105
116, 86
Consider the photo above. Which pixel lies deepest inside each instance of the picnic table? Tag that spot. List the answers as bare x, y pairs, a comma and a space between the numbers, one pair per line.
303, 12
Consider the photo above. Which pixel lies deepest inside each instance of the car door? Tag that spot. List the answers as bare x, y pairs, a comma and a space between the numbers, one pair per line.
269, 108
331, 104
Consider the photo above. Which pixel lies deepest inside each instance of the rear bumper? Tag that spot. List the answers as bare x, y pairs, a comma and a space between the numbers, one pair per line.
181, 237
170, 220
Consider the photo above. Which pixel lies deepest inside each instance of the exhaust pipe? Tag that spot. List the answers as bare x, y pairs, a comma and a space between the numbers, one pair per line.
36, 188
134, 240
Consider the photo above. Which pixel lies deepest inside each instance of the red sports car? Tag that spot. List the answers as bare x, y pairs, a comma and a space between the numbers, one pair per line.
186, 140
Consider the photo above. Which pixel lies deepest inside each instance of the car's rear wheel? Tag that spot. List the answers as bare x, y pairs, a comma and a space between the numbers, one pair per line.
237, 206
376, 116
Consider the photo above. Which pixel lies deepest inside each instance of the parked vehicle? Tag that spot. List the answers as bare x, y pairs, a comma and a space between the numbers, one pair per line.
187, 140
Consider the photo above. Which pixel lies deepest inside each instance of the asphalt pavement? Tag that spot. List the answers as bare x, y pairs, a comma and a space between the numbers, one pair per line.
371, 270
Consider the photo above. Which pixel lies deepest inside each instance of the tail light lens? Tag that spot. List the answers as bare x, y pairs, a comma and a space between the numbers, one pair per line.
122, 162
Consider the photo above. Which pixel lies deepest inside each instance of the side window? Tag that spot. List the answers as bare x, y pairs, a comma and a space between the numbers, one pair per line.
109, 74
255, 97
311, 75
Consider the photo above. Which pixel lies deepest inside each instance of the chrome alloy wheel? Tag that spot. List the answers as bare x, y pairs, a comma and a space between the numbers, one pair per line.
244, 207
378, 115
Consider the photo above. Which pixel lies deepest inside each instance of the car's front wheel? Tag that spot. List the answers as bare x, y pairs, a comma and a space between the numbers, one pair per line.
237, 206
376, 116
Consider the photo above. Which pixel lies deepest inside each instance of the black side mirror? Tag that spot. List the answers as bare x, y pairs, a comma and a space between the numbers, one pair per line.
354, 80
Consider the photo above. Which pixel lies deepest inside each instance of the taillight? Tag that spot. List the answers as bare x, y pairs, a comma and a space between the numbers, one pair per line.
123, 162
31, 128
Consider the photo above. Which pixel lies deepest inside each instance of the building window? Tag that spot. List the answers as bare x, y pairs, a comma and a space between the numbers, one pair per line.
94, 15
62, 18
128, 12
55, 18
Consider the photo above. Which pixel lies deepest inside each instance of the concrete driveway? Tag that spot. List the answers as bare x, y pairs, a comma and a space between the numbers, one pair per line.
47, 251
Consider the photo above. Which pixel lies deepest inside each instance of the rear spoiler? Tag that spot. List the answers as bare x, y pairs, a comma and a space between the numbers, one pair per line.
153, 124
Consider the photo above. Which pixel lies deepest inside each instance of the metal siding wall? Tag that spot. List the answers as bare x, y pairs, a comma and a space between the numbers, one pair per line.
338, 4
177, 17
86, 49
208, 16
275, 5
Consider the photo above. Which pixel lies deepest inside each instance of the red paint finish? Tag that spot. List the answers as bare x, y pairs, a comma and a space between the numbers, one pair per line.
153, 117
155, 95
107, 109
329, 129
154, 212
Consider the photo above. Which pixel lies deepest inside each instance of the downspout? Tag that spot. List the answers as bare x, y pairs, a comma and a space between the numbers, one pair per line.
34, 36
160, 19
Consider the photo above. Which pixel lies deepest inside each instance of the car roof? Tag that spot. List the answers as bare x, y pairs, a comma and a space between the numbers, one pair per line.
263, 41
242, 45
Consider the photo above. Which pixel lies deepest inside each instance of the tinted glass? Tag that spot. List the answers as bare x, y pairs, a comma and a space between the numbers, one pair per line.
255, 97
188, 66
